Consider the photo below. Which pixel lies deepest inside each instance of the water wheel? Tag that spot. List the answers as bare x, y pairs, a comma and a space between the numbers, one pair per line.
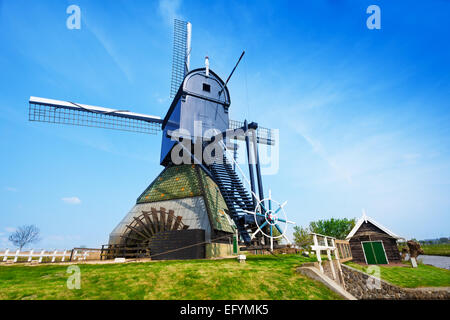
140, 231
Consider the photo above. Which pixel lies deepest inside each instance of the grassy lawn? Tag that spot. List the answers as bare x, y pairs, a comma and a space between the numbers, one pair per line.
435, 249
408, 277
261, 277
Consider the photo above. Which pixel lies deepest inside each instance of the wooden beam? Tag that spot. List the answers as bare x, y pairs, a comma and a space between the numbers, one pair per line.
155, 219
170, 217
162, 214
177, 223
138, 232
128, 237
149, 221
143, 226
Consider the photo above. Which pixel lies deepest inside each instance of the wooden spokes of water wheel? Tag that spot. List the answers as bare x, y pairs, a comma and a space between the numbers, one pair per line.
140, 231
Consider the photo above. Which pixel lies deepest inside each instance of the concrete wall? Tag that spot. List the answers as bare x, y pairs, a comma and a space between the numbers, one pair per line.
216, 250
358, 285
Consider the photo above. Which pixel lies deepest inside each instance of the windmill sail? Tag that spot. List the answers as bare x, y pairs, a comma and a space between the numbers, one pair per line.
65, 112
263, 135
181, 52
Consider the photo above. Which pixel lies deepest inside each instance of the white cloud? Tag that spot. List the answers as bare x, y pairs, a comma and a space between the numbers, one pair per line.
71, 200
11, 189
162, 100
10, 229
4, 242
169, 10
318, 148
58, 238
413, 156
60, 242
111, 50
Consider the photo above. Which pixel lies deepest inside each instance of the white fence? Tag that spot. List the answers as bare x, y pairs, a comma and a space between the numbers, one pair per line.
326, 243
39, 255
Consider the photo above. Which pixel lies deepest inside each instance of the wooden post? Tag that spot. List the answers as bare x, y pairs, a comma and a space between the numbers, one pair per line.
329, 258
16, 255
319, 258
5, 257
336, 254
41, 256
63, 256
30, 257
54, 256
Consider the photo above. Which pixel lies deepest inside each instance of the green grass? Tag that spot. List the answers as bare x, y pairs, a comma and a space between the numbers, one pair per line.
408, 277
437, 249
261, 277
434, 249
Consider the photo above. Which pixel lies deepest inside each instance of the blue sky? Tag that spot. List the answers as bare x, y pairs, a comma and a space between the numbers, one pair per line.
363, 114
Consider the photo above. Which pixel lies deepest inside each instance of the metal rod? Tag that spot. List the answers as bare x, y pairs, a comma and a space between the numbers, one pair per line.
250, 166
235, 147
240, 58
228, 79
258, 168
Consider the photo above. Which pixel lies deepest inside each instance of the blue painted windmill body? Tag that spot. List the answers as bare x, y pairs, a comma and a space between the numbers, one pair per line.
199, 110
200, 105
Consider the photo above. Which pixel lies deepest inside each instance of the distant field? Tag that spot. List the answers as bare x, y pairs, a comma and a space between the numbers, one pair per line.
435, 249
261, 277
408, 277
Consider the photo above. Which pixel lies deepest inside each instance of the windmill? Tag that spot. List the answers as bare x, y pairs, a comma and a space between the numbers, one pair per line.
196, 200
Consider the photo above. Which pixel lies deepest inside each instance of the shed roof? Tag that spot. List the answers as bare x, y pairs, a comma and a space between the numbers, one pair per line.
364, 219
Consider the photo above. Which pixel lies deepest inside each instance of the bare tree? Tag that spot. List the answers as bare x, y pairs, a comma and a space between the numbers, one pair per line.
25, 235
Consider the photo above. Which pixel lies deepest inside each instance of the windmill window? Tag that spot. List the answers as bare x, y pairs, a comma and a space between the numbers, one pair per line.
206, 87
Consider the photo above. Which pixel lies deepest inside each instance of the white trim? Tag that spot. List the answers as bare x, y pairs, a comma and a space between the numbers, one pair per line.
188, 45
385, 254
322, 235
322, 248
364, 251
382, 244
85, 107
43, 254
365, 218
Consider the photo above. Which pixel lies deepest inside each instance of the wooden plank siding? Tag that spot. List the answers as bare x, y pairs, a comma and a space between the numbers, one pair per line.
344, 251
369, 232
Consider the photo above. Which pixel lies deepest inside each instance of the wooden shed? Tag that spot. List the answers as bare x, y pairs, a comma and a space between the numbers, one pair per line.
371, 243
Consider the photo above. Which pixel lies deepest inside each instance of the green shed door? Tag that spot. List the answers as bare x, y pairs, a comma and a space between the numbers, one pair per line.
374, 252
